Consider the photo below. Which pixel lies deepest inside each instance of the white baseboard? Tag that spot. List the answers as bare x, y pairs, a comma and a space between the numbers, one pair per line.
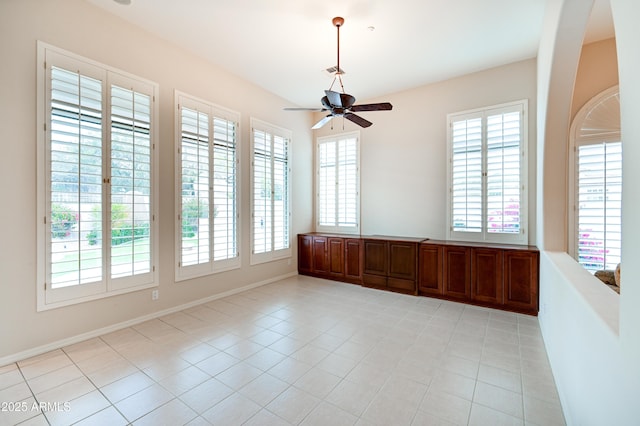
9, 359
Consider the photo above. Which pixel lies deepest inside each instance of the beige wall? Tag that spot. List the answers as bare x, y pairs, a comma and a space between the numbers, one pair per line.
597, 71
403, 155
86, 30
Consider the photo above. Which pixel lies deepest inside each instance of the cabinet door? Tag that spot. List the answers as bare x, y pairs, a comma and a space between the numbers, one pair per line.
430, 269
402, 266
336, 257
486, 275
375, 264
375, 257
402, 260
305, 254
320, 256
521, 280
353, 260
457, 272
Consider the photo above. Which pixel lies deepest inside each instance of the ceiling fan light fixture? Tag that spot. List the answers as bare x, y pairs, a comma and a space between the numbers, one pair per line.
123, 2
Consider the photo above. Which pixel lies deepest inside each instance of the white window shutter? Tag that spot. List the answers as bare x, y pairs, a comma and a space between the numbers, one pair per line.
599, 205
467, 175
195, 192
75, 179
487, 174
130, 182
338, 184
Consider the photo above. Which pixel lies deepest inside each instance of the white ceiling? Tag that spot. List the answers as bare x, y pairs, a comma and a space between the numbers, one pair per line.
283, 45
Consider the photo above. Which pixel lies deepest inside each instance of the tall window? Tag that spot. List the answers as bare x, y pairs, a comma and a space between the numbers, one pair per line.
338, 183
270, 196
487, 174
597, 182
207, 162
95, 186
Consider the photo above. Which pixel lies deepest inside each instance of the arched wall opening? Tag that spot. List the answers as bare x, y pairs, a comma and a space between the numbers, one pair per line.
592, 336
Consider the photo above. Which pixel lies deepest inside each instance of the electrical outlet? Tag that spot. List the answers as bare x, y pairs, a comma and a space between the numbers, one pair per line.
155, 294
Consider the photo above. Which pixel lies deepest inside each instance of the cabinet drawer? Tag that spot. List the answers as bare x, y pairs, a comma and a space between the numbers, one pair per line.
408, 286
374, 280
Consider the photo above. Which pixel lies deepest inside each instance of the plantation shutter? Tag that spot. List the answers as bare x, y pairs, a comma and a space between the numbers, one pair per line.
130, 182
327, 185
487, 172
348, 182
195, 194
503, 172
270, 174
206, 141
338, 183
597, 181
599, 205
262, 192
75, 178
280, 193
225, 213
95, 180
466, 188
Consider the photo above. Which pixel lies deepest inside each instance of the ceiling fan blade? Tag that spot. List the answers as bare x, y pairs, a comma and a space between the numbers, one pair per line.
322, 122
358, 120
383, 106
334, 98
304, 109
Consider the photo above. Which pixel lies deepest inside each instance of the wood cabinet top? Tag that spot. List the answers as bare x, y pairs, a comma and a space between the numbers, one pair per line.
423, 240
368, 237
473, 244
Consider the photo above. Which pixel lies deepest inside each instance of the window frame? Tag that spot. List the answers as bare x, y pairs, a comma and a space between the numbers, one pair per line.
47, 297
337, 228
613, 135
271, 254
213, 111
522, 237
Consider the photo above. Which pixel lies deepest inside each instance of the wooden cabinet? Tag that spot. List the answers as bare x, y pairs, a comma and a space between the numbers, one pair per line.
320, 256
430, 265
353, 260
330, 256
376, 265
305, 254
521, 280
497, 276
390, 264
457, 272
335, 256
486, 275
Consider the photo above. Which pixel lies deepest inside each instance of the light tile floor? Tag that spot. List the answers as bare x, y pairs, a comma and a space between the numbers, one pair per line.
300, 351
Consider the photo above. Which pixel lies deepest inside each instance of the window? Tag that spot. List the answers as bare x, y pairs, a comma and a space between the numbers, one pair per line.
270, 195
338, 183
597, 183
96, 186
207, 169
487, 174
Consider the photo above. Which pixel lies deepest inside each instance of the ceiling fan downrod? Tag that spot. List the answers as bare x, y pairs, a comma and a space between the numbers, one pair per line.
338, 22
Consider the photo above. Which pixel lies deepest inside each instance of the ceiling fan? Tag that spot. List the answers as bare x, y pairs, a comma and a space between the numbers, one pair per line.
341, 104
